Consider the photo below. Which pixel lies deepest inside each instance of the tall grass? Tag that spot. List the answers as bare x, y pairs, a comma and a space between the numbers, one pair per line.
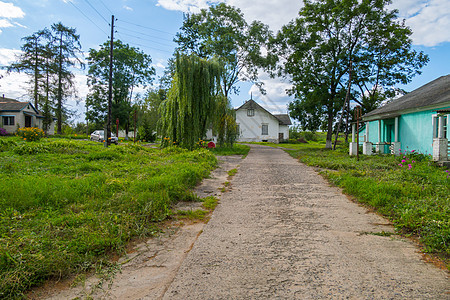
66, 205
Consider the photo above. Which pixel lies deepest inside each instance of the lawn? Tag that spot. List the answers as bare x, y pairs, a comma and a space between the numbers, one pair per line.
411, 190
67, 205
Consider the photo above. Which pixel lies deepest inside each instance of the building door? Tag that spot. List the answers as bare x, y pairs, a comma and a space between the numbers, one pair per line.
27, 121
280, 137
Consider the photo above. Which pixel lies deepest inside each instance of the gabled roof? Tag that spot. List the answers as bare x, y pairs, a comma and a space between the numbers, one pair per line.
4, 99
15, 106
251, 104
432, 94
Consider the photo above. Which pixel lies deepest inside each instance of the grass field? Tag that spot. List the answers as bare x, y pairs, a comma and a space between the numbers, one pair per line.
411, 190
67, 205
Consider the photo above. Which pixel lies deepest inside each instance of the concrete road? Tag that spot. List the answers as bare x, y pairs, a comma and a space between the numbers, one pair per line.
283, 233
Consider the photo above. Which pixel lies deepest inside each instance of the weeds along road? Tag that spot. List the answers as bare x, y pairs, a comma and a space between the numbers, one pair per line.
283, 233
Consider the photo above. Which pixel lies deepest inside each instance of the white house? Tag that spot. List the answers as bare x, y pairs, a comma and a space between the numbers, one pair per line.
15, 114
256, 124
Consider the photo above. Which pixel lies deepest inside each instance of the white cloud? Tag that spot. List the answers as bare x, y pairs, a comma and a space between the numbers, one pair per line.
7, 56
10, 11
428, 19
275, 13
275, 100
128, 8
5, 23
14, 85
192, 6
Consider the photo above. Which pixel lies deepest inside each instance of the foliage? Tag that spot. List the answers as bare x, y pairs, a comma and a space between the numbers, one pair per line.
193, 102
3, 132
318, 47
148, 114
221, 32
416, 199
30, 134
131, 68
70, 204
210, 202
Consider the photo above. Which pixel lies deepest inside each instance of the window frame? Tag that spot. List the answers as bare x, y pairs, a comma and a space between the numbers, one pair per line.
4, 118
250, 112
266, 126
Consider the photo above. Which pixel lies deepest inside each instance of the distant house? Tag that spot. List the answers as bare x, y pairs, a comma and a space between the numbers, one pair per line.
417, 121
256, 124
14, 114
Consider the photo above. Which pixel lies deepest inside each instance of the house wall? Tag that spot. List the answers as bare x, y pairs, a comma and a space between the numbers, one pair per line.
415, 131
285, 130
251, 127
19, 119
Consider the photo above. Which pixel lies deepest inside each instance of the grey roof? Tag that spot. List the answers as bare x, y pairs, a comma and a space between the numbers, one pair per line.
284, 119
12, 106
431, 94
4, 99
251, 104
16, 106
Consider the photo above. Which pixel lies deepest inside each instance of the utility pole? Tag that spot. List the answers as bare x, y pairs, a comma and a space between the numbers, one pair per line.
108, 124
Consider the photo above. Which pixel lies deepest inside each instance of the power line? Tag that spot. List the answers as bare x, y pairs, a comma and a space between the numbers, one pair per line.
145, 46
137, 37
87, 17
138, 25
104, 5
139, 32
89, 3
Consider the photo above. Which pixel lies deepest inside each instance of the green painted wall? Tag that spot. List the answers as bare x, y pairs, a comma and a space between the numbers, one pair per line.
415, 131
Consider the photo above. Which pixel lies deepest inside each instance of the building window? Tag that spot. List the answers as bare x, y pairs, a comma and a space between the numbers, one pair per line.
238, 129
436, 126
265, 129
250, 112
8, 120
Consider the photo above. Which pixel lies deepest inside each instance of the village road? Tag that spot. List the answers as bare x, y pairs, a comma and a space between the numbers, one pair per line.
283, 233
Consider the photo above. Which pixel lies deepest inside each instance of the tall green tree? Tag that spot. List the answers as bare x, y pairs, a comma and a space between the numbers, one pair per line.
194, 101
32, 61
131, 68
67, 47
316, 50
222, 32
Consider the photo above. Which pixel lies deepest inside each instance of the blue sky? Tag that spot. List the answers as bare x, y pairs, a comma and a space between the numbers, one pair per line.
151, 25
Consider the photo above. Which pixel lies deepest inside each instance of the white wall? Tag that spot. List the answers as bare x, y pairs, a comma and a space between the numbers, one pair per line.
251, 127
284, 129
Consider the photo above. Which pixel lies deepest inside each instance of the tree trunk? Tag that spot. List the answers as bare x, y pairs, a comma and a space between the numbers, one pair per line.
329, 130
59, 107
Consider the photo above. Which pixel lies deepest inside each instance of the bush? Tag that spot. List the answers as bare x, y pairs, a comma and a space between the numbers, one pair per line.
3, 132
30, 134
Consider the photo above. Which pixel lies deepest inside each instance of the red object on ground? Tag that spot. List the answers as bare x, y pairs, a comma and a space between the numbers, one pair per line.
211, 145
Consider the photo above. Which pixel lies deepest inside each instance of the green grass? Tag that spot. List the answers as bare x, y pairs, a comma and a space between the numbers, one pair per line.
237, 149
232, 172
198, 214
210, 202
66, 205
416, 199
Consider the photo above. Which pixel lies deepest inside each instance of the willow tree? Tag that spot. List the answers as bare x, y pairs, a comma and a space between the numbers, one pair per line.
193, 101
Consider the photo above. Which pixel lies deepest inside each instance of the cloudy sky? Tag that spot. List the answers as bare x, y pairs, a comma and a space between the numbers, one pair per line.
151, 25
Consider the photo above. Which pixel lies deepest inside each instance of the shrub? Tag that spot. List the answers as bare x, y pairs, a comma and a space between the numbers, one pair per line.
30, 134
3, 132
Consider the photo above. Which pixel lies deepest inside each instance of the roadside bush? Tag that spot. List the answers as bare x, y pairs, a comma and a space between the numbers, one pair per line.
30, 134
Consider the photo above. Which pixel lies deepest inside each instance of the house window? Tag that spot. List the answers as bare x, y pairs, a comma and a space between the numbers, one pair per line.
8, 120
250, 112
265, 129
238, 129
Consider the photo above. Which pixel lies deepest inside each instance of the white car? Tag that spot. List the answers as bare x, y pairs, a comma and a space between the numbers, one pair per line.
99, 136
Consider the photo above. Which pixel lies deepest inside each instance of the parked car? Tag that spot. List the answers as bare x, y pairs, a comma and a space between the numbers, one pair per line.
99, 136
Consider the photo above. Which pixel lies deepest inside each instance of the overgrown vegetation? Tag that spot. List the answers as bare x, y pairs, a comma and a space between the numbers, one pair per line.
66, 205
409, 189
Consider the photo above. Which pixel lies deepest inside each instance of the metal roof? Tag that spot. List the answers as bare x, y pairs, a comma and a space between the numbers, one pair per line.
434, 93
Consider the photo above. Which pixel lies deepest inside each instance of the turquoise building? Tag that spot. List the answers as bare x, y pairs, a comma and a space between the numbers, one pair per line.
416, 121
